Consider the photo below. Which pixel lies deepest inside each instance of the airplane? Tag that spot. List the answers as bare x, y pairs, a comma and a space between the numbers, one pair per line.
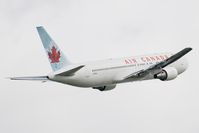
104, 75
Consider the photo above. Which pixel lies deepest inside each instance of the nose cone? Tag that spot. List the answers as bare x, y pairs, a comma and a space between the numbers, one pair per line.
183, 65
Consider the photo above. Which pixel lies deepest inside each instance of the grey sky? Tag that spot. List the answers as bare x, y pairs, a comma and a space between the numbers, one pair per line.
90, 30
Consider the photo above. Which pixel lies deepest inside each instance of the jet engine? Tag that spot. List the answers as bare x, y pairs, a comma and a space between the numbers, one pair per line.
166, 74
105, 88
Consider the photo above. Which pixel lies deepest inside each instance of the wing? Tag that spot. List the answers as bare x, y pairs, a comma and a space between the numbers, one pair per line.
34, 78
154, 69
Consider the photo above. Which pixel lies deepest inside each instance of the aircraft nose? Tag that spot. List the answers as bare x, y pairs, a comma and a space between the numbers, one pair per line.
184, 65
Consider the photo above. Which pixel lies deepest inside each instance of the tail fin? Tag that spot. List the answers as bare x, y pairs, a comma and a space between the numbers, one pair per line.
55, 55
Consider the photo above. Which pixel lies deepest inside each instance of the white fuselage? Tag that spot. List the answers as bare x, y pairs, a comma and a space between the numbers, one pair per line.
111, 71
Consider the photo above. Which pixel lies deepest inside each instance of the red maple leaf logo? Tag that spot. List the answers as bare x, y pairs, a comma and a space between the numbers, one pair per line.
54, 55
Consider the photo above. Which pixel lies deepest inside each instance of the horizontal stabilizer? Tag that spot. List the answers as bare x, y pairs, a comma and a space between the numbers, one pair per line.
69, 72
32, 78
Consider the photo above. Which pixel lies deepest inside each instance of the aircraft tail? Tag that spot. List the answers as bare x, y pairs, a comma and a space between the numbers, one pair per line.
56, 57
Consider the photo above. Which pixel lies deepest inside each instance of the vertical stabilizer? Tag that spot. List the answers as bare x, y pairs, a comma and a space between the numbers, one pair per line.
55, 55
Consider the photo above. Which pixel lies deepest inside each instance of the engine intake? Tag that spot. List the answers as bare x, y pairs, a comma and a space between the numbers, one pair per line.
168, 73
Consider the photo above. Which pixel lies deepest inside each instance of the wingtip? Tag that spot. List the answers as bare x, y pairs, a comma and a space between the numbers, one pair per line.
191, 48
39, 27
188, 49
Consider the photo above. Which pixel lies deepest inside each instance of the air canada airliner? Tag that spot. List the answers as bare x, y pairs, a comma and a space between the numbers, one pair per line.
106, 74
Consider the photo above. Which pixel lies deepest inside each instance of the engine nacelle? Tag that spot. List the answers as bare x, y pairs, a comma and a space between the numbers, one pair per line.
166, 74
105, 88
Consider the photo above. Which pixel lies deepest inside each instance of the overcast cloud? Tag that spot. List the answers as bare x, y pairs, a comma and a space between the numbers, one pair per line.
90, 30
